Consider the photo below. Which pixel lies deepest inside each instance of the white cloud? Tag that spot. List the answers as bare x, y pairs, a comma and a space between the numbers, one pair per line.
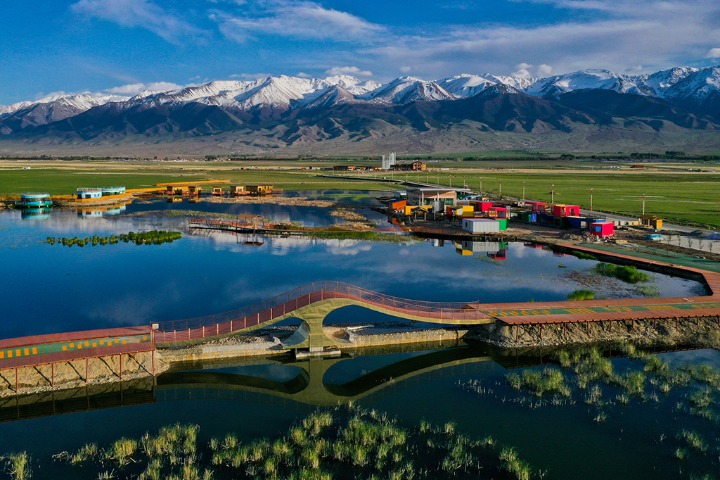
138, 13
295, 19
544, 70
135, 88
713, 53
303, 75
406, 69
611, 34
355, 71
528, 70
523, 70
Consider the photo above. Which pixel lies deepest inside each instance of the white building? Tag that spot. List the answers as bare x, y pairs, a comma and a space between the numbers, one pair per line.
388, 161
480, 225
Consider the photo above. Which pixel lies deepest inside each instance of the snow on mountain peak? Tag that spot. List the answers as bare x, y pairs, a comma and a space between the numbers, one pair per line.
291, 92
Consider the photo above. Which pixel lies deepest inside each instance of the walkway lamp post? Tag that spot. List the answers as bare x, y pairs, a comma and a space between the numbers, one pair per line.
500, 189
523, 192
591, 193
552, 193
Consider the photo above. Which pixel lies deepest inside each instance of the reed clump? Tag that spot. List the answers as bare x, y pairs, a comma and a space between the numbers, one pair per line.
626, 273
326, 444
549, 380
581, 295
330, 442
17, 465
153, 237
171, 453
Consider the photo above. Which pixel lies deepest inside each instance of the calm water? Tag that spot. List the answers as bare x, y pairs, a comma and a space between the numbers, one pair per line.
637, 440
48, 288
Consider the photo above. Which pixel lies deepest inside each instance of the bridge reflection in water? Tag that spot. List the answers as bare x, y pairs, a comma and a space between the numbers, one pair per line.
310, 382
295, 381
308, 385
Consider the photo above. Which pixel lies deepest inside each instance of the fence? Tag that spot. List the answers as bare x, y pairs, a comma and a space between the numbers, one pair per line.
288, 302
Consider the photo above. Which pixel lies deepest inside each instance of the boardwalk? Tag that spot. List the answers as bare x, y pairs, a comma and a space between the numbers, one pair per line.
75, 358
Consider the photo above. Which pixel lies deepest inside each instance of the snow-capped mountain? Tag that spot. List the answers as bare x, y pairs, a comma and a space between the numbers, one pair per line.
407, 89
296, 109
279, 91
465, 85
583, 80
49, 109
59, 101
288, 92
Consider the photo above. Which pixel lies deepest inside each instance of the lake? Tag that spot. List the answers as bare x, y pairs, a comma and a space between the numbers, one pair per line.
51, 288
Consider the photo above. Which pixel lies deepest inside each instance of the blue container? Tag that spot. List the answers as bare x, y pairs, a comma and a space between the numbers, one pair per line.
579, 223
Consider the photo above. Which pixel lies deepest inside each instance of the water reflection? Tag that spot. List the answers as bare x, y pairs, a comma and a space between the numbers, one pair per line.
35, 213
320, 382
219, 271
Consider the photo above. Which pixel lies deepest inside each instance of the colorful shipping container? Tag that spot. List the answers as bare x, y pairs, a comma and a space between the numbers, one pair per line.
602, 229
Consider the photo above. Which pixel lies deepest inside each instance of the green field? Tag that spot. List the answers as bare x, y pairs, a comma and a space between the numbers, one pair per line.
678, 193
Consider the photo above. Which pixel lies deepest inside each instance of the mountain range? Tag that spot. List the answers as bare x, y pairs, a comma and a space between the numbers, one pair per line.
678, 108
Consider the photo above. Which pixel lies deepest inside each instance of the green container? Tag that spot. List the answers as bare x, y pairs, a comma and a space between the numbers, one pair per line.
503, 223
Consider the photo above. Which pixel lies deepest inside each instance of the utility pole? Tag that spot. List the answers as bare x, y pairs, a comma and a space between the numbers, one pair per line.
591, 192
643, 204
552, 193
500, 189
523, 193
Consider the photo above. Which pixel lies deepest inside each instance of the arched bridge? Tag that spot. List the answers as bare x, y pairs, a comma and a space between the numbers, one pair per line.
314, 301
311, 303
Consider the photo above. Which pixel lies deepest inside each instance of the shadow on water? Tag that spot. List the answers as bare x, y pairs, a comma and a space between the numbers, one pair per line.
91, 397
300, 381
318, 382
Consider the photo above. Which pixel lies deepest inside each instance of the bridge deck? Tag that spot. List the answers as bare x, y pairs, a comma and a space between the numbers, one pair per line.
68, 346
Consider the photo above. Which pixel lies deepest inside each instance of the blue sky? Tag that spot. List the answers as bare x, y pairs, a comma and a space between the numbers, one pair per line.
125, 46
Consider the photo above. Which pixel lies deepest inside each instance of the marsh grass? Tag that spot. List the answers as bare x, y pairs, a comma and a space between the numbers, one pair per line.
549, 380
171, 453
693, 440
581, 295
153, 237
17, 465
626, 273
514, 465
121, 451
585, 375
331, 443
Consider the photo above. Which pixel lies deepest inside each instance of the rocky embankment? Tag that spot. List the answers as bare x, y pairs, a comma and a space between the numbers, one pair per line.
697, 331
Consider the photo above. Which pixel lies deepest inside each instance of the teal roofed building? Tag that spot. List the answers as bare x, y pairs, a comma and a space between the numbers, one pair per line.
35, 200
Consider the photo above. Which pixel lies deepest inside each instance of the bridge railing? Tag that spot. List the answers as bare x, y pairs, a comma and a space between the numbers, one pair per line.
287, 302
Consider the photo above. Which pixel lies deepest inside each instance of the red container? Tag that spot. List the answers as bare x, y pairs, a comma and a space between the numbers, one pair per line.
536, 206
566, 211
602, 229
483, 206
